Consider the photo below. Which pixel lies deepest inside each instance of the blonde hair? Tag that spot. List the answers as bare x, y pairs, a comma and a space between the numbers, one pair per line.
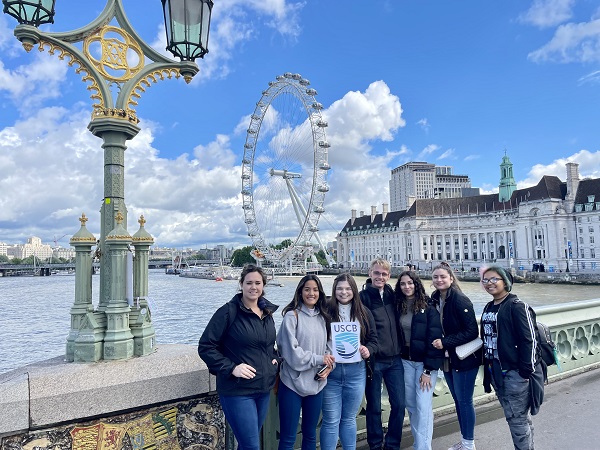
380, 262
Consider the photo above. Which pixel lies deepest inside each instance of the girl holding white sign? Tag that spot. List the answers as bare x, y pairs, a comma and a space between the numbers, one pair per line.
354, 340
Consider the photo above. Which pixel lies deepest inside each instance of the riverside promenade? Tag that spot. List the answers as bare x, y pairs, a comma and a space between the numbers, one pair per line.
568, 419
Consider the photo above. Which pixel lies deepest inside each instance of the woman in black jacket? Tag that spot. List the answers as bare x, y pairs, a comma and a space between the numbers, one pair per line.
238, 345
459, 326
511, 361
420, 323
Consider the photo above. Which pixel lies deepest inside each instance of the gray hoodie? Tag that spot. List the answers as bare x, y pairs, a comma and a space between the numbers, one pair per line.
302, 342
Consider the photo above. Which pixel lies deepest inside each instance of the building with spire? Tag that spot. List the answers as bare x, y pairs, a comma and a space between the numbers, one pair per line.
551, 226
507, 181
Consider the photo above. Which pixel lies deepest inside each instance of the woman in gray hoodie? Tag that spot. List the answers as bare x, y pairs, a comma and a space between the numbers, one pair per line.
304, 343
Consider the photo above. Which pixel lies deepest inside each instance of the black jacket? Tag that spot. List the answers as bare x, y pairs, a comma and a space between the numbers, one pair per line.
517, 337
248, 339
385, 314
460, 326
425, 327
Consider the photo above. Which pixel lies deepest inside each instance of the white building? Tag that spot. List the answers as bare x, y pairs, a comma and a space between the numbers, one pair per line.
419, 180
33, 247
3, 248
550, 226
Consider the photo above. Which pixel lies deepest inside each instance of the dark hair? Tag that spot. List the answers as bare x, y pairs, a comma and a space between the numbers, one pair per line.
445, 266
506, 276
421, 299
321, 304
249, 268
357, 310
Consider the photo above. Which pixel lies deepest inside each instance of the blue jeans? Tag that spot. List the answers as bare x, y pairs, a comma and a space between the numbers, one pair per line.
342, 397
246, 415
419, 404
290, 404
462, 385
391, 371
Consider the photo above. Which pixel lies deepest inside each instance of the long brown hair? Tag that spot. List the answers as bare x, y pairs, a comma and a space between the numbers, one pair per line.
421, 299
445, 266
321, 304
357, 310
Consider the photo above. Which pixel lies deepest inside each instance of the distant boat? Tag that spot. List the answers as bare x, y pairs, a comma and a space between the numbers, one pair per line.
201, 272
176, 264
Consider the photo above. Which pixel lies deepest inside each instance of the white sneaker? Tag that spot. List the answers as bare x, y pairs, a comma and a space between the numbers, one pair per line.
457, 446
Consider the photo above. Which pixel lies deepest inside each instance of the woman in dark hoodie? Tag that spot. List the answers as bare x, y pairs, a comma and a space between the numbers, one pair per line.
238, 345
511, 358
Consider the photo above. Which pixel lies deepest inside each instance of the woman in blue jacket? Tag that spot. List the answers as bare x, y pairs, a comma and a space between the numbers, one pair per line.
238, 345
420, 324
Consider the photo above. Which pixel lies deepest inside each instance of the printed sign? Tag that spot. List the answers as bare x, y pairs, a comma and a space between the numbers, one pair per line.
345, 337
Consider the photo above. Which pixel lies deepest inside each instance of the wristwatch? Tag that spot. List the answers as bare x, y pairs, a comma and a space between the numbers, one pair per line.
427, 372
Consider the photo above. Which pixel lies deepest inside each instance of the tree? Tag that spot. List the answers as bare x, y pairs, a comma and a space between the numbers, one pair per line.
242, 256
284, 244
322, 258
4, 259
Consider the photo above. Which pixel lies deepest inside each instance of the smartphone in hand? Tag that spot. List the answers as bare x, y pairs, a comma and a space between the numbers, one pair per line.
320, 372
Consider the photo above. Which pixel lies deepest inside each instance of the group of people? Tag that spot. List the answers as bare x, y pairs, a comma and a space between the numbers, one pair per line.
405, 339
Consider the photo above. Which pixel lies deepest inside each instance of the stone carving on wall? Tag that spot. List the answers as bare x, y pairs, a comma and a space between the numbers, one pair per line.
194, 425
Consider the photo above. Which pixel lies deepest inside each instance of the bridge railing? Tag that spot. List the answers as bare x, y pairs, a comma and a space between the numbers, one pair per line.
575, 328
53, 399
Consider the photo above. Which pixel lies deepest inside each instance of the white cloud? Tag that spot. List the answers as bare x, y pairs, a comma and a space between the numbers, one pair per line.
589, 167
32, 84
593, 77
424, 124
548, 13
428, 150
472, 157
572, 42
447, 154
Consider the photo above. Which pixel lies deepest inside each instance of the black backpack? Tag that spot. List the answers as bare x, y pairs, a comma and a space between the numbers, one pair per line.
548, 350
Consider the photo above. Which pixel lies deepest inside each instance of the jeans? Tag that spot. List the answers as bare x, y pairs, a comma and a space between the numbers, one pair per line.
246, 415
290, 405
514, 399
391, 371
342, 397
462, 385
419, 404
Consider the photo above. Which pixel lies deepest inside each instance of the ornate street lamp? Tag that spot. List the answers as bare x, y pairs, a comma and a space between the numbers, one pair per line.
32, 12
187, 23
114, 328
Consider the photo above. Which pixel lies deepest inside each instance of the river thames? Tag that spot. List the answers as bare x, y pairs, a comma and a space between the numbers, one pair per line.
35, 311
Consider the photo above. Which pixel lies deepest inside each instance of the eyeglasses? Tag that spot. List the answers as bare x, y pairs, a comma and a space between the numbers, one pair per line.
377, 273
493, 280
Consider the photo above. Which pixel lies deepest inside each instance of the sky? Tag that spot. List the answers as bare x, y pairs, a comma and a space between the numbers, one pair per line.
454, 83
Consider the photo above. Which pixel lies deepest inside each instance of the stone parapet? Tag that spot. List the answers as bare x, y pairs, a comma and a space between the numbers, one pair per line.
54, 391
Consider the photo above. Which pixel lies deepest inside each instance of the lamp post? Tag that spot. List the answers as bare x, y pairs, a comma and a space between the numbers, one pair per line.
118, 67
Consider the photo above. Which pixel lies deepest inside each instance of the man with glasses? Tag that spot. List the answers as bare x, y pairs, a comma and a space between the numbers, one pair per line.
386, 365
